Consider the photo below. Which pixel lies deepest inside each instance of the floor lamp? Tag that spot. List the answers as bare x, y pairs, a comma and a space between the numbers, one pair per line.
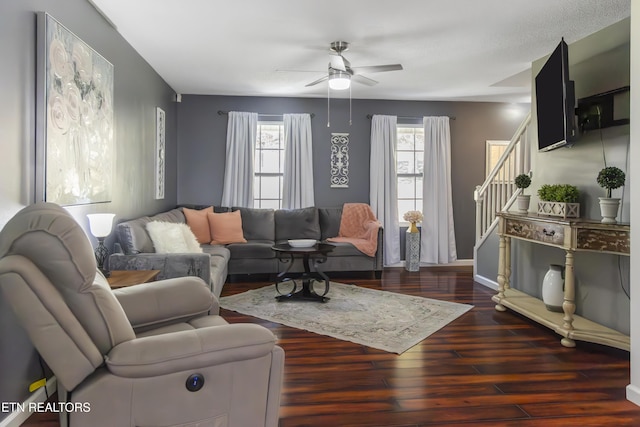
101, 225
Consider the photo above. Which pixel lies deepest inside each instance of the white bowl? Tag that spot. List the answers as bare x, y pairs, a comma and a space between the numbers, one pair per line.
302, 243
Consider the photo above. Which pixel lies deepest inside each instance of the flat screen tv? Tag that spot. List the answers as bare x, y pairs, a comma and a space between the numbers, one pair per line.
555, 102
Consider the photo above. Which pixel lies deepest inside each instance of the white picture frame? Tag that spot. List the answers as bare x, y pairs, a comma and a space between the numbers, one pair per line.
74, 118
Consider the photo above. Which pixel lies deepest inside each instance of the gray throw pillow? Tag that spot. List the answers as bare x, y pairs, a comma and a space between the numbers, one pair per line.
330, 221
257, 224
297, 224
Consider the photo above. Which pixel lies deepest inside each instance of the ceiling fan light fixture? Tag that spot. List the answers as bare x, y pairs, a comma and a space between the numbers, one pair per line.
339, 80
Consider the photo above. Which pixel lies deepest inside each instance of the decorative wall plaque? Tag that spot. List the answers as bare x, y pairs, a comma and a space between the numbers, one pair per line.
160, 153
339, 160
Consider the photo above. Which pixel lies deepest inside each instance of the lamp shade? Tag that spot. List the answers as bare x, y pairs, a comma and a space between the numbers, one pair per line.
101, 224
339, 80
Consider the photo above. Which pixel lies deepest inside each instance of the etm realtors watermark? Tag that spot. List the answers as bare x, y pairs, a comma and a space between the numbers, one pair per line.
55, 407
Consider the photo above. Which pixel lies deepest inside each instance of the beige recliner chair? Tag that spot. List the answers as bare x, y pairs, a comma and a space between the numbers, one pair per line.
155, 354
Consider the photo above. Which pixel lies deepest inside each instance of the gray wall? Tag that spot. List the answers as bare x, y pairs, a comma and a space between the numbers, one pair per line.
202, 136
138, 90
599, 277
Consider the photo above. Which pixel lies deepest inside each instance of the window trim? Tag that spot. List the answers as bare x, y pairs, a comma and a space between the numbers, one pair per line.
401, 221
257, 150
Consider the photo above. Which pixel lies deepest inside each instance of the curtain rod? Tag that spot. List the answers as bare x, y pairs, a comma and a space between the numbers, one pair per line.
223, 113
370, 116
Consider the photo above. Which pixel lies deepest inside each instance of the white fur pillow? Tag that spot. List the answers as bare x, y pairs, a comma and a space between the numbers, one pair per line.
172, 237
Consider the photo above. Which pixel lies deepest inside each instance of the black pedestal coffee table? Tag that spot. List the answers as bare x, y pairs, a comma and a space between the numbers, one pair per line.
318, 253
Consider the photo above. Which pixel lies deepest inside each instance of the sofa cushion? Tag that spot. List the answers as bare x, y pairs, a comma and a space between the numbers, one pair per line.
297, 224
198, 222
217, 251
253, 249
257, 224
216, 209
133, 236
343, 249
174, 215
329, 222
225, 228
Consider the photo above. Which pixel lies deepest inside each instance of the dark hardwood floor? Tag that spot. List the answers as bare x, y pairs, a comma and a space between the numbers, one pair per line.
484, 369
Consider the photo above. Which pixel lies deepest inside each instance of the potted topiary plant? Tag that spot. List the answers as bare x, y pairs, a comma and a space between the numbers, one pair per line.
610, 178
559, 200
523, 181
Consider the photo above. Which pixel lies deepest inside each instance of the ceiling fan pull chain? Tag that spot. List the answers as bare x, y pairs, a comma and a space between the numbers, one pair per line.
349, 105
328, 112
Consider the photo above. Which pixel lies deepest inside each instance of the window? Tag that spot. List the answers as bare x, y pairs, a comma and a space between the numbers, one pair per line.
410, 165
269, 165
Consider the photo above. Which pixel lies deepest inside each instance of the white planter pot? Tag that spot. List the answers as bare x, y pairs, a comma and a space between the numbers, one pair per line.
553, 288
609, 209
522, 202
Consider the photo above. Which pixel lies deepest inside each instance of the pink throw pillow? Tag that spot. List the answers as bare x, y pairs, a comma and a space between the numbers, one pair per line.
197, 221
225, 228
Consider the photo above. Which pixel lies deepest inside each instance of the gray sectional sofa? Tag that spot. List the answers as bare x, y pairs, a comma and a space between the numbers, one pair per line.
262, 228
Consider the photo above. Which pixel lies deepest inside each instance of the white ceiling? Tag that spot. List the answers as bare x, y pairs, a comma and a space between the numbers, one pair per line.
466, 50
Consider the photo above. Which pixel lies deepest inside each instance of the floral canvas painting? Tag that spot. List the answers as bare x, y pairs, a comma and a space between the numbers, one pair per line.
78, 115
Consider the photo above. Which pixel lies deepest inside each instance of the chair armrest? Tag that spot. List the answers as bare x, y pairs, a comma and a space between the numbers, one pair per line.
166, 300
188, 350
170, 265
379, 261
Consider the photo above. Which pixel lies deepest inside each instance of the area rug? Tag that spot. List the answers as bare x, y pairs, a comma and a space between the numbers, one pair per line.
384, 320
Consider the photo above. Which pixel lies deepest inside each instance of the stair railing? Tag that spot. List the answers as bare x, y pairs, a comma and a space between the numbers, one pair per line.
498, 192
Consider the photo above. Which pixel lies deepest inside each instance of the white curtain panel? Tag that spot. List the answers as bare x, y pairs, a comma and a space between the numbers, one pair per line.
242, 129
297, 186
438, 240
383, 193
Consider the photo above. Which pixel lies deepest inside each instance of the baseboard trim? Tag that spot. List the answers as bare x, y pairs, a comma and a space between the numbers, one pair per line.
633, 394
16, 418
491, 284
457, 263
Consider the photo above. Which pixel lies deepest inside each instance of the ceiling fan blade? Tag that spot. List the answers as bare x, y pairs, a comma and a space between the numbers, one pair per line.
364, 80
290, 70
337, 62
376, 68
315, 82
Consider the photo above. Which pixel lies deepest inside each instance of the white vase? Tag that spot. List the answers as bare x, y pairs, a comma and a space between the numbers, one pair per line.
609, 209
522, 202
553, 288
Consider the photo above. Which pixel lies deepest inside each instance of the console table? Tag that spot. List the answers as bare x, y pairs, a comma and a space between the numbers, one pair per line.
571, 235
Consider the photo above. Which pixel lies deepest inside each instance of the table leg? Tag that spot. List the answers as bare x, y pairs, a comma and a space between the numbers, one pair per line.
501, 272
306, 293
321, 260
568, 306
507, 263
282, 277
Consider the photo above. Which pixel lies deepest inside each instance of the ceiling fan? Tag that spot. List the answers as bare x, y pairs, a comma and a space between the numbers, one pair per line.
341, 73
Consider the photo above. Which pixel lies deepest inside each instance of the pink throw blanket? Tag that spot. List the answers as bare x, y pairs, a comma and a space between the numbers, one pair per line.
359, 226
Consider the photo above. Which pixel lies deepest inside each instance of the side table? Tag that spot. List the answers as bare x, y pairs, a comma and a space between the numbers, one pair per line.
287, 253
124, 278
412, 252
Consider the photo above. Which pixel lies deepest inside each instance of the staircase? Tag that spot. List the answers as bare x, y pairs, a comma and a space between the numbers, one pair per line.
499, 191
